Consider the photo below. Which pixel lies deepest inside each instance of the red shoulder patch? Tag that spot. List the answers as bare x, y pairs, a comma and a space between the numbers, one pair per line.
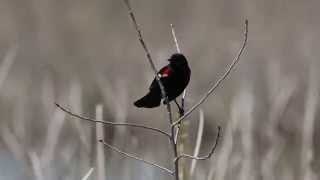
166, 72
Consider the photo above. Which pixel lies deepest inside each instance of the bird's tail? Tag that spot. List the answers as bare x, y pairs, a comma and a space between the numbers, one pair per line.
150, 100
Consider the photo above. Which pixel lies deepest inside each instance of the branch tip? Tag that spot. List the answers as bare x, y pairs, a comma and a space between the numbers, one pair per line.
112, 123
57, 104
133, 156
153, 67
219, 81
203, 157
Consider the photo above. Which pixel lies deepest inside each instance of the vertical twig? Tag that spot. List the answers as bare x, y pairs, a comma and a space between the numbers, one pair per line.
100, 153
198, 141
176, 132
175, 38
184, 92
175, 152
220, 80
173, 32
143, 44
163, 92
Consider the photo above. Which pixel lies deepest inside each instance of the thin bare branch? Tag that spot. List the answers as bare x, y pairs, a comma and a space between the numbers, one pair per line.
163, 92
203, 157
198, 141
220, 80
175, 38
112, 123
133, 18
136, 158
100, 156
173, 32
181, 108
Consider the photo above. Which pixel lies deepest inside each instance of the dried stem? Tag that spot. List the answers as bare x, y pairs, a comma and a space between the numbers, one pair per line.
163, 92
181, 108
112, 123
198, 141
100, 156
223, 77
133, 18
203, 157
175, 152
174, 133
136, 158
175, 38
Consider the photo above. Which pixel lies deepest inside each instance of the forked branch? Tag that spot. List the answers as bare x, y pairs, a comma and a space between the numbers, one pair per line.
206, 156
112, 123
136, 158
220, 80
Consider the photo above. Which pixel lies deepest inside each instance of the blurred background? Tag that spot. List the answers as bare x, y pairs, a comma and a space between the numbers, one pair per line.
85, 55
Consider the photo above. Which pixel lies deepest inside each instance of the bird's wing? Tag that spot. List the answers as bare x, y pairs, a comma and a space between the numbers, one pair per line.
165, 72
164, 75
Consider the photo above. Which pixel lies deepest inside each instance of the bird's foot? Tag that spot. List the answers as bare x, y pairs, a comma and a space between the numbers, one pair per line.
181, 111
166, 101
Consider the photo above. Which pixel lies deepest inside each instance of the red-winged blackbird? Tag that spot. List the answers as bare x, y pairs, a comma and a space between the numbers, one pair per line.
174, 77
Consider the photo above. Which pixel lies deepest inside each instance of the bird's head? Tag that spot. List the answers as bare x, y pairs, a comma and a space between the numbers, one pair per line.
177, 58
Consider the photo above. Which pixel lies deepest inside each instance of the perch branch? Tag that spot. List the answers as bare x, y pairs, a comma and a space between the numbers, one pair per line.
173, 32
135, 157
223, 77
163, 92
112, 123
133, 18
203, 157
181, 108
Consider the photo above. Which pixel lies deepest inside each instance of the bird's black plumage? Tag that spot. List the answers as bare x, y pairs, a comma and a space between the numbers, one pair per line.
174, 77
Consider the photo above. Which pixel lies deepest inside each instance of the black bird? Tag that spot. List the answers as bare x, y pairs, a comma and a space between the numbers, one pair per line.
174, 77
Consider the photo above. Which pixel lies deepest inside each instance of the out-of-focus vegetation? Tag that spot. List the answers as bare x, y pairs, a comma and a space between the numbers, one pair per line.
83, 53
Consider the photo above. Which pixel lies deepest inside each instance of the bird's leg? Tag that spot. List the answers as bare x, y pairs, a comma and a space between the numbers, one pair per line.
181, 111
165, 101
